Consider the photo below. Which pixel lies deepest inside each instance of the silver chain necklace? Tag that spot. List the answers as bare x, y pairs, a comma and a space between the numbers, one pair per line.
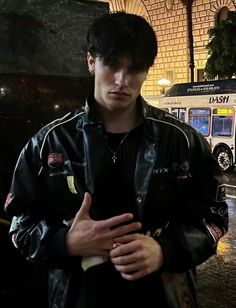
114, 153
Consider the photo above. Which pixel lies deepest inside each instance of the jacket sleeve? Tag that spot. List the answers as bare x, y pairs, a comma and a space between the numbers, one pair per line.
192, 234
35, 229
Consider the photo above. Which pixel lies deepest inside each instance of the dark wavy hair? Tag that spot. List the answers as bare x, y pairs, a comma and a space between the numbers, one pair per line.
114, 35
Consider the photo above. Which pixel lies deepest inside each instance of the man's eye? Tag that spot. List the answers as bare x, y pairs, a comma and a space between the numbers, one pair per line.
136, 70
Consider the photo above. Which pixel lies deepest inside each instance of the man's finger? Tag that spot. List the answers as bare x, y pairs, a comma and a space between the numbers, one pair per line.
127, 238
116, 220
125, 230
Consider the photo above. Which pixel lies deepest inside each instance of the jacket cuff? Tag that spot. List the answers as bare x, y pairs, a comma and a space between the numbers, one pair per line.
56, 244
174, 260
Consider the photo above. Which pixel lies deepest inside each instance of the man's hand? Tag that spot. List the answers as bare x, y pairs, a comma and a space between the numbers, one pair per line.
136, 255
87, 237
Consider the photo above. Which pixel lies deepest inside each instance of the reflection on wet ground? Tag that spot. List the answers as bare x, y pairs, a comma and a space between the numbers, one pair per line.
217, 276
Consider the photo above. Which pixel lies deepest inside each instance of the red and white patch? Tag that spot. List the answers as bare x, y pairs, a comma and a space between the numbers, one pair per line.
216, 232
55, 160
8, 200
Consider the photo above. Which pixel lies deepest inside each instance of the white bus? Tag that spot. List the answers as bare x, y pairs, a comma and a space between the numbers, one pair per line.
210, 108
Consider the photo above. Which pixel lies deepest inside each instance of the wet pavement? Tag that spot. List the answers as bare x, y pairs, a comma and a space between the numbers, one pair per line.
217, 276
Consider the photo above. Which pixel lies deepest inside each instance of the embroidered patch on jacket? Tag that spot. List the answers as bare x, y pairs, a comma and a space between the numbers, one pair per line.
71, 184
161, 171
221, 193
8, 200
222, 211
55, 160
216, 232
181, 171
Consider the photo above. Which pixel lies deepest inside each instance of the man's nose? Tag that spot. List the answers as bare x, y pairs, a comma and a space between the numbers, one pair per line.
121, 78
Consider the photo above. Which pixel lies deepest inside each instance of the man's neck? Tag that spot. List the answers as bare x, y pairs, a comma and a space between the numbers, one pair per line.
121, 121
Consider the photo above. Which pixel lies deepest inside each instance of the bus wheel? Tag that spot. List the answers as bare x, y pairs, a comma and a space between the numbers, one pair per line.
223, 156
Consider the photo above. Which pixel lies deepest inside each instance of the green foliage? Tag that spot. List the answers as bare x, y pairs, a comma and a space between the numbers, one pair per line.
222, 49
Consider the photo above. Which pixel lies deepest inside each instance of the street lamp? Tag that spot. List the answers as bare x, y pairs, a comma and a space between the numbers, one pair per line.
163, 83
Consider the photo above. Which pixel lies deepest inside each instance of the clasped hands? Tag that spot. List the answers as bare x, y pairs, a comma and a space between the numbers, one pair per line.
134, 255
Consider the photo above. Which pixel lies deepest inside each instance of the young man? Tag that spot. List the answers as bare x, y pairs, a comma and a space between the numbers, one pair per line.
120, 200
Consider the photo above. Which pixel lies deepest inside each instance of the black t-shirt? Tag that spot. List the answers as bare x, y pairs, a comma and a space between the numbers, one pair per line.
102, 285
114, 190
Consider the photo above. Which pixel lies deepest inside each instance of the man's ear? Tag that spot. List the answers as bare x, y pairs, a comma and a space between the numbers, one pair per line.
91, 63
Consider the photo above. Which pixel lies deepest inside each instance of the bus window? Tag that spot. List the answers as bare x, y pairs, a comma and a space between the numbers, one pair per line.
179, 113
222, 122
174, 112
182, 114
199, 118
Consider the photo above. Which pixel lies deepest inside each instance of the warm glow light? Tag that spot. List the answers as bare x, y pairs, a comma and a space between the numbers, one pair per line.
163, 82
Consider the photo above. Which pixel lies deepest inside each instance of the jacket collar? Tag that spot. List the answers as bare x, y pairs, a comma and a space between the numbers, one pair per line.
92, 114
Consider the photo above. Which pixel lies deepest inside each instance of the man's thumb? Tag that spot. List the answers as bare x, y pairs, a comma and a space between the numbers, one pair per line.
83, 212
85, 206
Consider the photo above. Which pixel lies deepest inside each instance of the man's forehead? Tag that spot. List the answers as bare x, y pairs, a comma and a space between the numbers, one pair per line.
124, 60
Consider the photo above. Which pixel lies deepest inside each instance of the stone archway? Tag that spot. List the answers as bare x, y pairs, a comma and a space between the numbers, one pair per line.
219, 4
131, 6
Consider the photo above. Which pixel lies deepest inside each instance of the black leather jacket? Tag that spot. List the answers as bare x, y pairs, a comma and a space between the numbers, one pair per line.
179, 192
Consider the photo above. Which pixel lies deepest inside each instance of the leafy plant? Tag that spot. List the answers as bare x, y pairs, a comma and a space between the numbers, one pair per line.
222, 49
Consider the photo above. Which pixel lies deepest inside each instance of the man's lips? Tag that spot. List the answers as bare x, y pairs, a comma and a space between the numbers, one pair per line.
118, 93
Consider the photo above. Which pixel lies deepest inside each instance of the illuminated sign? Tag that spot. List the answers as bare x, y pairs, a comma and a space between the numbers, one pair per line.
223, 111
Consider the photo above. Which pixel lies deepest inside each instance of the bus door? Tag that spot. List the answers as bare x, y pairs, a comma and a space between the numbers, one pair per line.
179, 113
200, 119
223, 136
